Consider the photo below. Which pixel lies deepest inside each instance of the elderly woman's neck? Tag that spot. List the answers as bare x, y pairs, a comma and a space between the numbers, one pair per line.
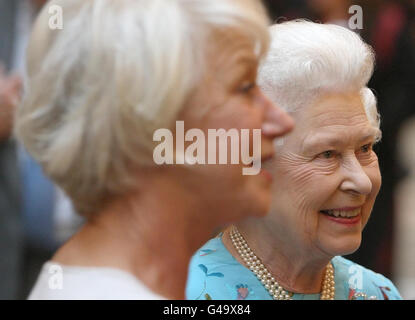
296, 268
152, 236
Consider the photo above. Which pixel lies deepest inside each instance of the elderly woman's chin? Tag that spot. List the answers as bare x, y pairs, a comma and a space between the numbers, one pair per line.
343, 240
338, 239
341, 245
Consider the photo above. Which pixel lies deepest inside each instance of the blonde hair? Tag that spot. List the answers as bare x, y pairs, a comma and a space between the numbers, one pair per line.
117, 71
306, 59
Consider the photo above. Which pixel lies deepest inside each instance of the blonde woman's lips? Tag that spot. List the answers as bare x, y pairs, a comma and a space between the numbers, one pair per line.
264, 172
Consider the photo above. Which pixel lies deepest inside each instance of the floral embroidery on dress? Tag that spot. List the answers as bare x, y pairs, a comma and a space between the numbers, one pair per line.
216, 275
351, 293
213, 274
206, 252
359, 295
382, 290
242, 291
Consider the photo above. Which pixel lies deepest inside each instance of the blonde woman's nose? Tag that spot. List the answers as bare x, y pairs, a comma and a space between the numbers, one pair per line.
277, 121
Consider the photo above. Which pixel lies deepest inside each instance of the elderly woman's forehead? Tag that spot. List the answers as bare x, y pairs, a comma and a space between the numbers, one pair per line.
339, 135
349, 117
336, 108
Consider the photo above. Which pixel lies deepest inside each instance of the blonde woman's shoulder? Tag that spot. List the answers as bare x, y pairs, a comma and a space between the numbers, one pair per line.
58, 282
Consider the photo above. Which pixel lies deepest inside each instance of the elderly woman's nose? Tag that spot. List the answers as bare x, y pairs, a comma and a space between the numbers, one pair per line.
356, 180
277, 121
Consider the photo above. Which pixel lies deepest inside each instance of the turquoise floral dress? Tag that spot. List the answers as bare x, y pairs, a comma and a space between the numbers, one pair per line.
215, 274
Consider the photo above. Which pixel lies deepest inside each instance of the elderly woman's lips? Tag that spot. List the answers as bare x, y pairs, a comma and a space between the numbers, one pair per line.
345, 221
349, 215
347, 210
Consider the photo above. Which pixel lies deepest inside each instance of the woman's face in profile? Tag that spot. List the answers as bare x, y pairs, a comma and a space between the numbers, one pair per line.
228, 98
326, 176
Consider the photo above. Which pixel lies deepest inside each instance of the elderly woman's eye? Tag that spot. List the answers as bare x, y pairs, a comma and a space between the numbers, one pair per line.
366, 148
327, 154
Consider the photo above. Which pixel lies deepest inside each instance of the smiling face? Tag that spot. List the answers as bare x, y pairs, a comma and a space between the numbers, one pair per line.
229, 98
326, 177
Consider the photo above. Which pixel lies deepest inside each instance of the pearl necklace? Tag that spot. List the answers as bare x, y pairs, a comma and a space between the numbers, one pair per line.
268, 281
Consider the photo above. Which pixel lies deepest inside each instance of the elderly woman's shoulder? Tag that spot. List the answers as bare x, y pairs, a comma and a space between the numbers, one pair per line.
362, 283
212, 252
211, 270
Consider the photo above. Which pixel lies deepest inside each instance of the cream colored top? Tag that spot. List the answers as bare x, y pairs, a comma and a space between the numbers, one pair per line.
59, 282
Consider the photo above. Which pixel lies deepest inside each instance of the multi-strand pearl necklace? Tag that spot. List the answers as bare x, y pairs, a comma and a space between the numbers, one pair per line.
268, 281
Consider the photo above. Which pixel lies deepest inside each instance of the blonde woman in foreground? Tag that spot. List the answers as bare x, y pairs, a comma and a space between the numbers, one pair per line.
98, 90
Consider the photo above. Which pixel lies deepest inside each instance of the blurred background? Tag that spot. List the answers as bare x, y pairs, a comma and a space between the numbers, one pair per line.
36, 217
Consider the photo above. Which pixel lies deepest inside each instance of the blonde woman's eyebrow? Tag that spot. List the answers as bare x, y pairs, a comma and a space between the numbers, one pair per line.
245, 68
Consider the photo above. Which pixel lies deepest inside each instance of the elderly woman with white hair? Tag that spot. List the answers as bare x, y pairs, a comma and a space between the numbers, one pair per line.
98, 90
326, 179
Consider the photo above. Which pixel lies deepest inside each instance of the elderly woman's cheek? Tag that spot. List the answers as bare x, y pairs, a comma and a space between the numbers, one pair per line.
303, 182
301, 171
373, 172
371, 167
376, 178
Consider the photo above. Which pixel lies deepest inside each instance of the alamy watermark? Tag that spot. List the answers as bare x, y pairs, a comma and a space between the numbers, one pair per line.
356, 20
56, 277
356, 277
356, 284
56, 17
195, 152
